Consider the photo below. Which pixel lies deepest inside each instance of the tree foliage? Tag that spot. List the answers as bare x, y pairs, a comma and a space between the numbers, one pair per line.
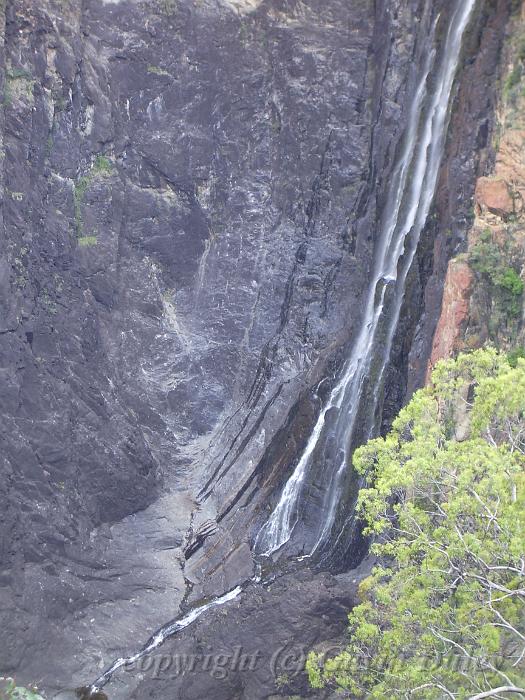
443, 615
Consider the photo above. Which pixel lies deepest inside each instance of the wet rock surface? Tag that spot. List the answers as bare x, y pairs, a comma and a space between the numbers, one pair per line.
270, 663
469, 152
189, 198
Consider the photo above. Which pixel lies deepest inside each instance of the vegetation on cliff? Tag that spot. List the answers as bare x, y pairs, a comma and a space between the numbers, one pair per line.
501, 278
9, 690
443, 615
483, 300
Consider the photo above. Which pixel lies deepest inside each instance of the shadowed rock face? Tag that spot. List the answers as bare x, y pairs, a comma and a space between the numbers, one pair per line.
190, 191
474, 312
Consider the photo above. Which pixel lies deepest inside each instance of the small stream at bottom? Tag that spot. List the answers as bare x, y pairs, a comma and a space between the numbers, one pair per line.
170, 629
410, 197
160, 636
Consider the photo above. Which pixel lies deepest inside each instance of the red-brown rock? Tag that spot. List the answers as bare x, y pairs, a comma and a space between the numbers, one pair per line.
455, 310
493, 195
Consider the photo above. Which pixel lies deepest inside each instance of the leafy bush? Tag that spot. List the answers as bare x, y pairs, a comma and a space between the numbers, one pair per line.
10, 691
515, 355
443, 615
493, 264
510, 286
102, 167
512, 80
102, 164
510, 281
86, 241
521, 49
485, 256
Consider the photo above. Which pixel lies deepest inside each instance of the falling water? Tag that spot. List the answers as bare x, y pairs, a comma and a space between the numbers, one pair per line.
408, 204
410, 195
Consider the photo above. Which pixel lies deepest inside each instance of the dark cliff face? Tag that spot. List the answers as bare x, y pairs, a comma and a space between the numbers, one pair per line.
468, 151
190, 191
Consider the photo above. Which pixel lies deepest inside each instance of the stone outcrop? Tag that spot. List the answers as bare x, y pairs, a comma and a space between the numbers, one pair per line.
494, 196
456, 297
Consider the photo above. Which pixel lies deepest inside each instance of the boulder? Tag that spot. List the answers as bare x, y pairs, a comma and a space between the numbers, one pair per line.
494, 195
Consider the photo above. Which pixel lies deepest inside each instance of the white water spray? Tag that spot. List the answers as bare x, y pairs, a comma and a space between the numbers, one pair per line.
409, 200
162, 634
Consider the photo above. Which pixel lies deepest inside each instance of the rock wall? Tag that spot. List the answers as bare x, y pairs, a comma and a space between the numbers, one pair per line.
483, 298
469, 152
189, 193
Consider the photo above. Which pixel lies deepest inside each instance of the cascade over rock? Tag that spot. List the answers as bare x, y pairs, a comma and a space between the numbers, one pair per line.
476, 310
192, 199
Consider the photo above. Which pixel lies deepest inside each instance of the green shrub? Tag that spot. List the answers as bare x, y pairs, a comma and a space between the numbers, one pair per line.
19, 74
10, 691
78, 196
513, 79
515, 355
101, 167
510, 286
521, 49
491, 262
167, 6
156, 70
443, 613
511, 282
102, 164
485, 256
85, 241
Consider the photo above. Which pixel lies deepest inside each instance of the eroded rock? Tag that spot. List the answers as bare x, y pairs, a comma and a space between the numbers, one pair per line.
456, 298
494, 195
191, 198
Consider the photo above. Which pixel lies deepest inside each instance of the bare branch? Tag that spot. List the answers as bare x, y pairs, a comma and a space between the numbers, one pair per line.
496, 691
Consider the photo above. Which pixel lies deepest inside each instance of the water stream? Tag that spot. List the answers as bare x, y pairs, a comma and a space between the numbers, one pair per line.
408, 204
411, 190
160, 636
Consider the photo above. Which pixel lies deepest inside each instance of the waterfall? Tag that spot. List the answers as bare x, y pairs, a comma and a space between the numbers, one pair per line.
410, 196
408, 201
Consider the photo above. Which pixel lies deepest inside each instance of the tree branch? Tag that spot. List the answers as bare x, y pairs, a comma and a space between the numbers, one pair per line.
495, 691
